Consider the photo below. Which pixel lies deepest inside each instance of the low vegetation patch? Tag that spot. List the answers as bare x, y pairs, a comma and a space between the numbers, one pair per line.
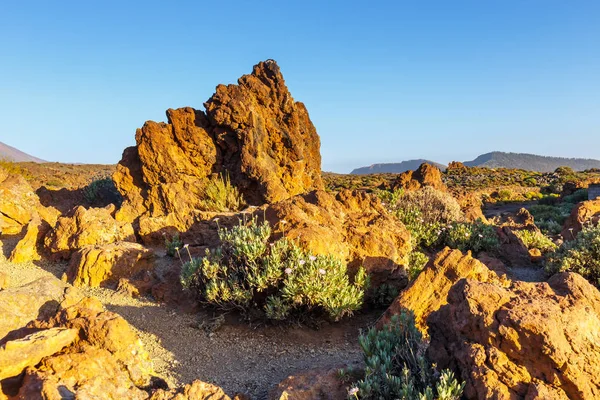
581, 255
536, 240
14, 168
102, 191
221, 196
396, 366
173, 244
247, 272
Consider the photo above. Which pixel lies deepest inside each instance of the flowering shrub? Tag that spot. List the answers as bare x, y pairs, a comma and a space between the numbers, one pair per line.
396, 366
221, 196
416, 262
581, 255
475, 236
536, 240
172, 244
248, 272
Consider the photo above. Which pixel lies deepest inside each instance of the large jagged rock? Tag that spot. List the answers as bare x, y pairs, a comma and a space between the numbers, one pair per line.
104, 264
17, 355
37, 299
19, 204
429, 291
253, 132
425, 175
353, 226
585, 212
83, 227
526, 341
30, 248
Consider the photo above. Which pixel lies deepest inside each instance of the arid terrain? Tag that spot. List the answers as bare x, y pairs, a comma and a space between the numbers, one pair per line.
217, 260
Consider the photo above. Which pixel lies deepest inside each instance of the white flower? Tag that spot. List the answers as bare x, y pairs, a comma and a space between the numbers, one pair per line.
353, 391
288, 271
216, 219
480, 235
466, 235
301, 262
271, 244
185, 246
439, 233
312, 258
283, 222
322, 271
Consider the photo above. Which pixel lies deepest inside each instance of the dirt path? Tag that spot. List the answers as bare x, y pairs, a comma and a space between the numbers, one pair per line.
238, 357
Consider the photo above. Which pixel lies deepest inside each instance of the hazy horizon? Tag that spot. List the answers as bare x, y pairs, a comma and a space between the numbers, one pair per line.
435, 80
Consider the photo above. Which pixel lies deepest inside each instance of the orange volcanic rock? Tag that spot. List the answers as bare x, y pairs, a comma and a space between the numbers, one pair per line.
83, 227
253, 132
197, 390
96, 265
429, 291
317, 384
584, 212
526, 341
353, 226
30, 248
425, 175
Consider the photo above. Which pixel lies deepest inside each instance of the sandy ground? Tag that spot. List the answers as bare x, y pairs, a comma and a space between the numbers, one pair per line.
237, 356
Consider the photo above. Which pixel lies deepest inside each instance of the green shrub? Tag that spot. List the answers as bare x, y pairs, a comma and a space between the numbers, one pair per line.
422, 233
279, 278
102, 190
533, 195
416, 262
550, 218
504, 195
550, 199
536, 240
383, 295
475, 236
55, 183
581, 255
221, 196
396, 367
577, 197
173, 244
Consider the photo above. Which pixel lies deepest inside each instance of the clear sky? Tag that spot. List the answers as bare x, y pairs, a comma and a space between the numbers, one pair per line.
383, 81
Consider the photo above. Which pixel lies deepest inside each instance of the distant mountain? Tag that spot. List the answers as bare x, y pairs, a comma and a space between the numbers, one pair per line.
530, 162
394, 168
11, 154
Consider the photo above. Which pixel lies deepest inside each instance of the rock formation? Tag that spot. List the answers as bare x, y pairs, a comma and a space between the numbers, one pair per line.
526, 341
96, 265
425, 175
584, 212
428, 292
253, 132
309, 385
352, 225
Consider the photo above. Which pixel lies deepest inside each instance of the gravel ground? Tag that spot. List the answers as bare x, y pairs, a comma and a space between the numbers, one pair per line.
236, 356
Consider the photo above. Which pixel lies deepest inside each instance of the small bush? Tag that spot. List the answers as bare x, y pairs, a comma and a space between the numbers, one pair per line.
416, 262
536, 240
550, 218
504, 195
247, 272
581, 255
383, 295
221, 196
475, 236
102, 190
173, 244
577, 197
422, 233
396, 366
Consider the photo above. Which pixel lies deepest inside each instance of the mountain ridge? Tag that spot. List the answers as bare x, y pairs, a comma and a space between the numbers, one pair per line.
10, 153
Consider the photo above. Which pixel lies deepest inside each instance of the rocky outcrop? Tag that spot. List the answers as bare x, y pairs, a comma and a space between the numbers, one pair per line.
106, 264
253, 132
425, 175
584, 213
84, 227
31, 247
429, 291
197, 390
317, 384
351, 225
526, 341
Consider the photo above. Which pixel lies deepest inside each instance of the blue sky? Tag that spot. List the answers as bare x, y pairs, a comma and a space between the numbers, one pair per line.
382, 81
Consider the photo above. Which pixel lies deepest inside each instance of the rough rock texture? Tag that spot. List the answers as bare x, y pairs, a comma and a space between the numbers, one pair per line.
19, 204
254, 132
83, 227
4, 280
429, 291
526, 341
197, 390
30, 248
352, 225
584, 212
318, 384
38, 299
16, 355
425, 175
104, 264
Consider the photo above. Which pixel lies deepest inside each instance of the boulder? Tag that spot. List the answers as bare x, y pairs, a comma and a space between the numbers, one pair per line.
425, 175
30, 248
352, 225
17, 355
317, 384
429, 291
83, 227
197, 390
37, 299
253, 132
105, 264
585, 212
524, 341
